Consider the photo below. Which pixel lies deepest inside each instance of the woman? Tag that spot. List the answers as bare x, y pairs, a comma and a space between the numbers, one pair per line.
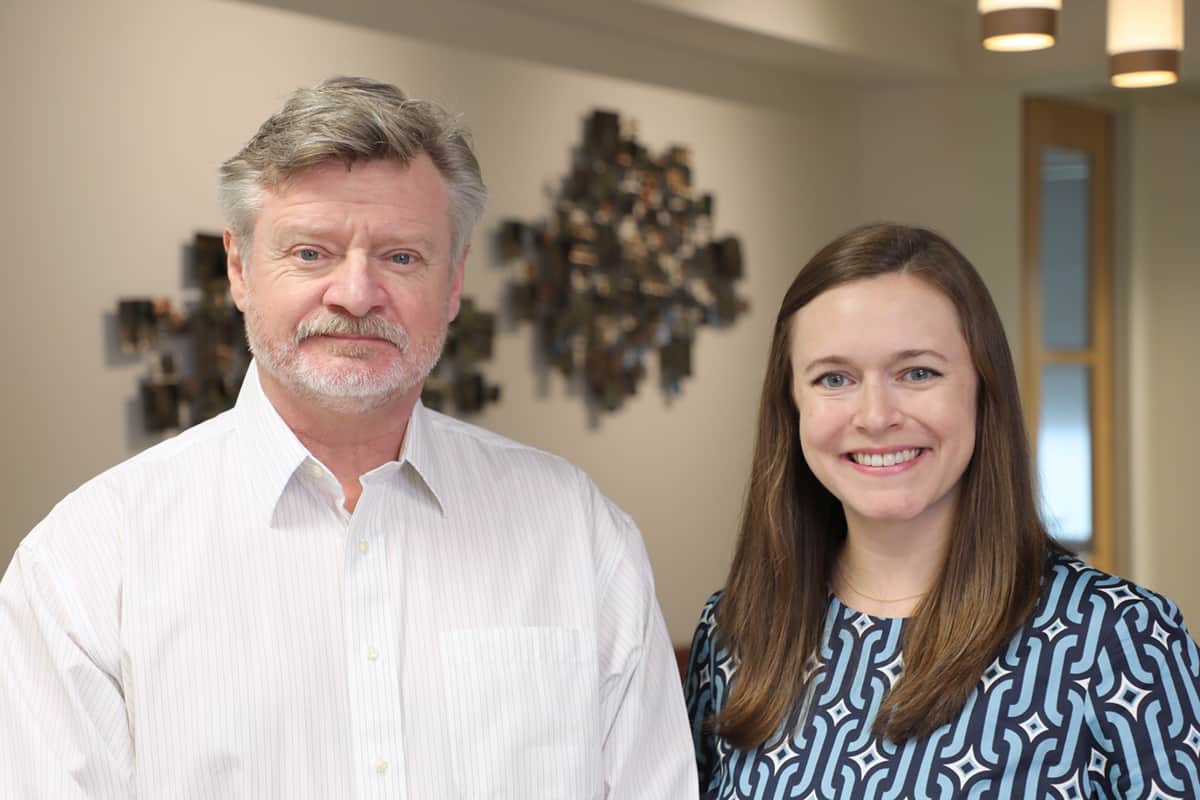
897, 623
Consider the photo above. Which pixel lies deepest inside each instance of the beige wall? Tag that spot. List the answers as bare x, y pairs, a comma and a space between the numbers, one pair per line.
1161, 269
117, 115
950, 160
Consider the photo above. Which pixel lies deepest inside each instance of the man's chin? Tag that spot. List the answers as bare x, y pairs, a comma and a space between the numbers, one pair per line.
342, 383
351, 388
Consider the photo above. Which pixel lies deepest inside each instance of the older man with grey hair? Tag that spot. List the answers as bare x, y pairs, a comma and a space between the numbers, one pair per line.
330, 591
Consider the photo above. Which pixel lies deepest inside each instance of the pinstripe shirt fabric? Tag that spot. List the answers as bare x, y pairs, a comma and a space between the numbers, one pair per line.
206, 621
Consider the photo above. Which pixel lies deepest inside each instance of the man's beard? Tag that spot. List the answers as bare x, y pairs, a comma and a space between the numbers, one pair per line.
347, 387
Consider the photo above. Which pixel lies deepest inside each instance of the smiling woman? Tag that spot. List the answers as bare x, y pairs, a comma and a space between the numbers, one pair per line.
896, 619
885, 390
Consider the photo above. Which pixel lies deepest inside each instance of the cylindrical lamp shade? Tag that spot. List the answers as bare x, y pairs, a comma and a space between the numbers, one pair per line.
1014, 25
1145, 38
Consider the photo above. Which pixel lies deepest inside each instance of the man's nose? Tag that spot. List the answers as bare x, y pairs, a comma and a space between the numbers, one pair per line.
877, 410
354, 287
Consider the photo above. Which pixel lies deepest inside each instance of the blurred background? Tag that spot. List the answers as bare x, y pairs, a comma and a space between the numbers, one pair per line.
804, 118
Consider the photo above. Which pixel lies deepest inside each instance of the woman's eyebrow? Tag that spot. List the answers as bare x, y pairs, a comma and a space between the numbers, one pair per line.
842, 361
827, 361
906, 355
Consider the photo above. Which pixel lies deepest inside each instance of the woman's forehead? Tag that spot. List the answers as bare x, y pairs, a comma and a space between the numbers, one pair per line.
890, 313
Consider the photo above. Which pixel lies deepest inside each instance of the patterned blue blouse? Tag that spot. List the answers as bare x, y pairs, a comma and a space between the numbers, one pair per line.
1097, 697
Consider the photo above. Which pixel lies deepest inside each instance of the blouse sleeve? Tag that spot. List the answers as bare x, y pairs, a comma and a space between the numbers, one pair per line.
701, 692
1145, 696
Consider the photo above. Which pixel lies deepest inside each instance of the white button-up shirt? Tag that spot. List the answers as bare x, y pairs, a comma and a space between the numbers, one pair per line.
206, 620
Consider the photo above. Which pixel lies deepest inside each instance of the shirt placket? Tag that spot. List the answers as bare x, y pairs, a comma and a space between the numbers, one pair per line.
372, 657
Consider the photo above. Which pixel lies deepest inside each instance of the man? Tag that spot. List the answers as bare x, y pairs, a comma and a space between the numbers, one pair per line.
331, 591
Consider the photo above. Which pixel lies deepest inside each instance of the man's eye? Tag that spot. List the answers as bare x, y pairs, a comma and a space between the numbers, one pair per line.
832, 380
404, 259
307, 254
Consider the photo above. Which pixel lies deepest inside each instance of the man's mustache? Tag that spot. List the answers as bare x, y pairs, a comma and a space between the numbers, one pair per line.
329, 324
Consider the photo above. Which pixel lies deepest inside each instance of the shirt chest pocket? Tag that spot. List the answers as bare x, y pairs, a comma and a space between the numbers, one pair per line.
521, 704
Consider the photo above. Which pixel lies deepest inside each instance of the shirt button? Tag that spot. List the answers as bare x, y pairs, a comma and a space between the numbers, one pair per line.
372, 653
381, 766
315, 470
363, 546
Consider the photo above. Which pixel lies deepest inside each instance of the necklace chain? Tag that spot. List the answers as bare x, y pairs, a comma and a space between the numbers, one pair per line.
861, 593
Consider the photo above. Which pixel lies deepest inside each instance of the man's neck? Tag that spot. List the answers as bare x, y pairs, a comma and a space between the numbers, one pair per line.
351, 443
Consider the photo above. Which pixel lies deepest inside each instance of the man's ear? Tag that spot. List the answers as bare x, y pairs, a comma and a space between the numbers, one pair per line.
235, 267
456, 283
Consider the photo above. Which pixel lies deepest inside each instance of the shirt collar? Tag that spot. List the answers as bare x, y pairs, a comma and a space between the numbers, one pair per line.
420, 453
273, 453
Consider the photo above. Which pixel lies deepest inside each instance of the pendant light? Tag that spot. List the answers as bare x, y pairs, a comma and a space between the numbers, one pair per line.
1013, 25
1145, 38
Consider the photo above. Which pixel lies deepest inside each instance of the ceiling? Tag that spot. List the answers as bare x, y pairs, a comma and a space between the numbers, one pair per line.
757, 50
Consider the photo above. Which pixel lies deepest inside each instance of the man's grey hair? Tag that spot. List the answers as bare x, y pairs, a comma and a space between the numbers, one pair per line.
353, 119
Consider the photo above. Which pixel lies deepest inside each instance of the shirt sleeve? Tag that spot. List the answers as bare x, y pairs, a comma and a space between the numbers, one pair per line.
64, 731
700, 694
1145, 704
647, 753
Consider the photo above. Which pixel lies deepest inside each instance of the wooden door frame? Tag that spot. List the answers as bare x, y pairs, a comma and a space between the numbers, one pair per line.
1054, 123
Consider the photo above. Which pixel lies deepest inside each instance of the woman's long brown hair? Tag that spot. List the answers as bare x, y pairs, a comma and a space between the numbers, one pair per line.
773, 608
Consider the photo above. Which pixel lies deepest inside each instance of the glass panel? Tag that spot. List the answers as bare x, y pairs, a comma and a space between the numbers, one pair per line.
1065, 204
1064, 453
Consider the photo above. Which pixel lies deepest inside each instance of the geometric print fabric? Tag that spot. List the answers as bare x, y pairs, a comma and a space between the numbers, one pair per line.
1098, 696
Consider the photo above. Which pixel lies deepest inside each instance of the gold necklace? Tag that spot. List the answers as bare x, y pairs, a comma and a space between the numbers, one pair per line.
861, 593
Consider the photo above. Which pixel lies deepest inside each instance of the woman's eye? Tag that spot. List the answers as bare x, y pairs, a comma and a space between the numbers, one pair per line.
919, 374
832, 380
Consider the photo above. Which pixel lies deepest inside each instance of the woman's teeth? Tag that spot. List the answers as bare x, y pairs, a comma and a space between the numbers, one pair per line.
885, 459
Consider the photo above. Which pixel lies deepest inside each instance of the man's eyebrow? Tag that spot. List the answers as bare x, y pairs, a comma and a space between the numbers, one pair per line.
842, 361
318, 229
300, 229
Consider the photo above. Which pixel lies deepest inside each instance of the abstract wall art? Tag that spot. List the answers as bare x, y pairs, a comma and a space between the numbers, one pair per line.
627, 267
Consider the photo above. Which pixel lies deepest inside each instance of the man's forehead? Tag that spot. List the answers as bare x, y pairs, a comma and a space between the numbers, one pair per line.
383, 190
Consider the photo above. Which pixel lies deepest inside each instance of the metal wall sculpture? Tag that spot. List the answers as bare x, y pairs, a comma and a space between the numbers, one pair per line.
627, 264
457, 381
198, 356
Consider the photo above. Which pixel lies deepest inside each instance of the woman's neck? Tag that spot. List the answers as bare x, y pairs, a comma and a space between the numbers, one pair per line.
886, 568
